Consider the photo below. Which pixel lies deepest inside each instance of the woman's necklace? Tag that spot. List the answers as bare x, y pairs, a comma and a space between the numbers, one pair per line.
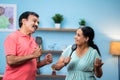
81, 52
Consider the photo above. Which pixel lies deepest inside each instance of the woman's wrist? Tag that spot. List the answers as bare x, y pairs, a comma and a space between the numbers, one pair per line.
65, 64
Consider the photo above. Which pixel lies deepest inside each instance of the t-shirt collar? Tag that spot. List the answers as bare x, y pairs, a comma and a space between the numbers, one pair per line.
21, 34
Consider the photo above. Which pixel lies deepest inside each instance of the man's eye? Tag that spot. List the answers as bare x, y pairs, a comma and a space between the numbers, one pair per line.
34, 21
38, 22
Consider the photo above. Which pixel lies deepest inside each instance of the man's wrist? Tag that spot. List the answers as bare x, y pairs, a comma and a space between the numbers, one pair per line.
44, 61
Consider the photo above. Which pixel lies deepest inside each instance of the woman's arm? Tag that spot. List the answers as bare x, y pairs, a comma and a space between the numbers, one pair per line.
98, 67
98, 72
61, 63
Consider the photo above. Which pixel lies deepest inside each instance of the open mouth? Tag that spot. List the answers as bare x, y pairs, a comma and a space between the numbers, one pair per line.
35, 27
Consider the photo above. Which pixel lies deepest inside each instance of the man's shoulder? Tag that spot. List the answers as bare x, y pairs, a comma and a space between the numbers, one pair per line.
13, 35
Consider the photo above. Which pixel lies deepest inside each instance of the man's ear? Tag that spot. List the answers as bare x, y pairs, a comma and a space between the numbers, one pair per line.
23, 21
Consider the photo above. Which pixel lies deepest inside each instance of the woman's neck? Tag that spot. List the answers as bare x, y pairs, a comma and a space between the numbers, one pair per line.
81, 50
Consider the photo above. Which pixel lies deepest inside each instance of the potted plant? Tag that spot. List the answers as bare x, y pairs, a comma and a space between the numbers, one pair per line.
82, 22
57, 18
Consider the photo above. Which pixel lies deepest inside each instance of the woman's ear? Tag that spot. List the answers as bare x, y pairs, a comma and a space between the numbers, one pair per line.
87, 38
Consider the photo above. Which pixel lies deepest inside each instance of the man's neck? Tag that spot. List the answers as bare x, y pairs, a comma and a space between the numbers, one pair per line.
24, 31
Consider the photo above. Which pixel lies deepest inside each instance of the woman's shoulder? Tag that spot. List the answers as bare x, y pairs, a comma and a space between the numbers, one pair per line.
67, 51
94, 52
92, 49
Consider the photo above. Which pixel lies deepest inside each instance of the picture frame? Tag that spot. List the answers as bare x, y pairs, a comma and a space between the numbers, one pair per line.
7, 17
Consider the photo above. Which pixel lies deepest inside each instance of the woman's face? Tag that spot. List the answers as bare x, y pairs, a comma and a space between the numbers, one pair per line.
80, 39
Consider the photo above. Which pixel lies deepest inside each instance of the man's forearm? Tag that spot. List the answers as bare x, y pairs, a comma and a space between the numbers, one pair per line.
18, 60
41, 63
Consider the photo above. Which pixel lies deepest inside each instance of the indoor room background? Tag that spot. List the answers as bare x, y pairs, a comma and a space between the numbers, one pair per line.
102, 15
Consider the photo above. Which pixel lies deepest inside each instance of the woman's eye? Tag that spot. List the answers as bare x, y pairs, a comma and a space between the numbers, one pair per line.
78, 34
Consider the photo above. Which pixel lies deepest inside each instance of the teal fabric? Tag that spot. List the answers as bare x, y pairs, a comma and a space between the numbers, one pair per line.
81, 68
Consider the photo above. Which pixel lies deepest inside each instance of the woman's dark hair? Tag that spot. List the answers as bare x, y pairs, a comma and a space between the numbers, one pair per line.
25, 15
89, 32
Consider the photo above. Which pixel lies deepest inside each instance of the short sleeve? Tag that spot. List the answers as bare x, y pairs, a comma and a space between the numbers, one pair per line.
67, 51
10, 45
96, 54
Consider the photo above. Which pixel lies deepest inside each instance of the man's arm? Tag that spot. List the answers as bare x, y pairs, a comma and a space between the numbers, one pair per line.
19, 60
45, 61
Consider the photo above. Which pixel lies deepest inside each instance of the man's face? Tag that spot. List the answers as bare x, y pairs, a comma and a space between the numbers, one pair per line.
31, 23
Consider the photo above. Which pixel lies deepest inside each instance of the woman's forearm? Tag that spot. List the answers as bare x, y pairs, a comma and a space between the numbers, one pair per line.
98, 72
59, 66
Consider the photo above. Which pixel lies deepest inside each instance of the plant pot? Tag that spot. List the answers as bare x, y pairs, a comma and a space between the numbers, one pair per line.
57, 25
82, 26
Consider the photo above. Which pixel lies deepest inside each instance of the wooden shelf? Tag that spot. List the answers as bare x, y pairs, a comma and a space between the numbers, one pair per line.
50, 76
57, 29
52, 51
43, 76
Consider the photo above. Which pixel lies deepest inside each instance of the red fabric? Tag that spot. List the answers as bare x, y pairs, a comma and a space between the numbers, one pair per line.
19, 44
